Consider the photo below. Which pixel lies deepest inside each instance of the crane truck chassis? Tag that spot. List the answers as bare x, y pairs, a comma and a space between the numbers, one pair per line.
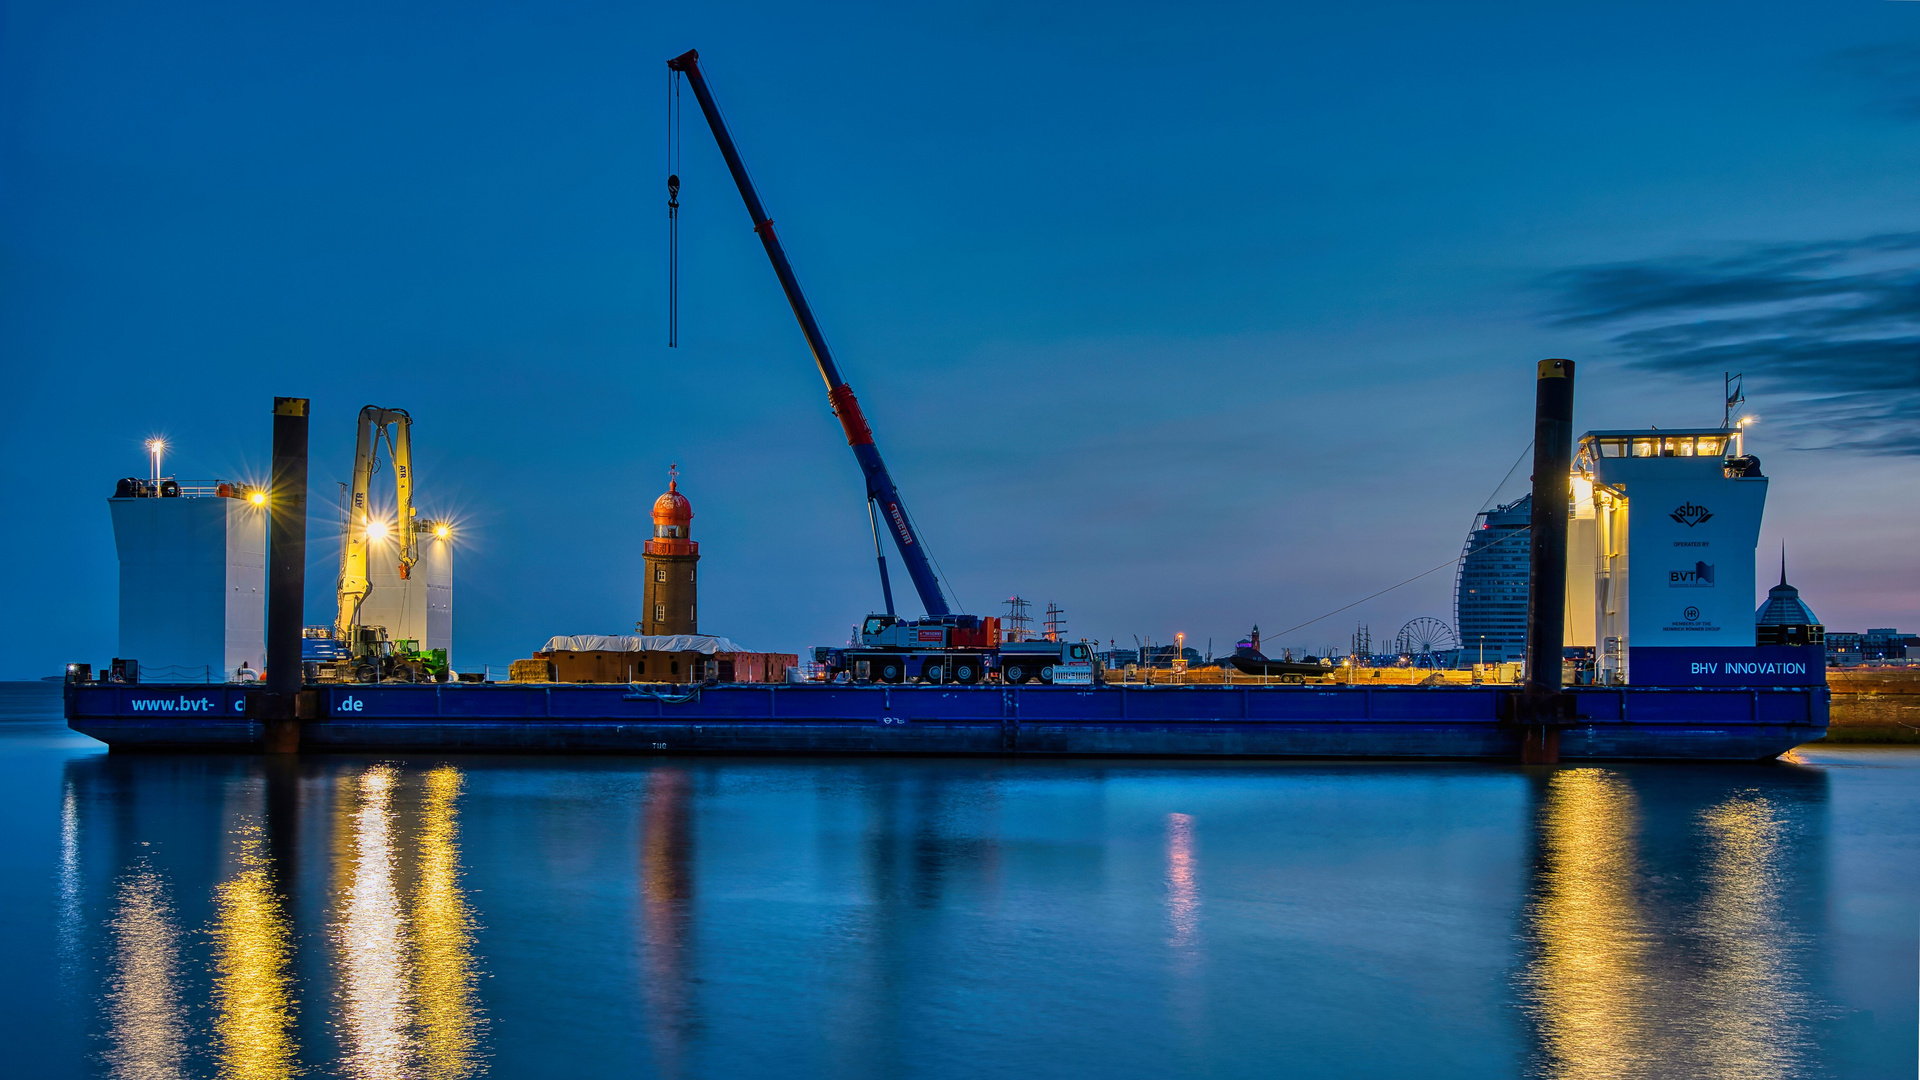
960, 649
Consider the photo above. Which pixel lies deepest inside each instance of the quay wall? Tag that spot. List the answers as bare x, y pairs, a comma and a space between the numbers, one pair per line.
1874, 705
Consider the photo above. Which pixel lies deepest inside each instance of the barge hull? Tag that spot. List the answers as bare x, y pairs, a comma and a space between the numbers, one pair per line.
1610, 723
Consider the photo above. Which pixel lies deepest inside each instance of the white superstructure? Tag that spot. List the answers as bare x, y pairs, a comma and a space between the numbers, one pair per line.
1664, 526
193, 579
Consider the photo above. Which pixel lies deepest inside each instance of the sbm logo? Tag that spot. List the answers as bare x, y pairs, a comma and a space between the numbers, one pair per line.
1691, 515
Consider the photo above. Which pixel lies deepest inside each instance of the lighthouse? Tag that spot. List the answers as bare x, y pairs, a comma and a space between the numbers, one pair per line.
672, 565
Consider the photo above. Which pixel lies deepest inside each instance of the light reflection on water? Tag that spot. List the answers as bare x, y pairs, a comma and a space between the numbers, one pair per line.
449, 1018
1590, 978
147, 1025
407, 970
371, 937
696, 918
1632, 980
253, 985
666, 894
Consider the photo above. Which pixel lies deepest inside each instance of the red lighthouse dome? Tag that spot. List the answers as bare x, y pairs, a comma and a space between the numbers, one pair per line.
672, 520
672, 508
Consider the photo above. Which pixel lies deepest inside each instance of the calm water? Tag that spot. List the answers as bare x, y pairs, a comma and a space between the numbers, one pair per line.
453, 917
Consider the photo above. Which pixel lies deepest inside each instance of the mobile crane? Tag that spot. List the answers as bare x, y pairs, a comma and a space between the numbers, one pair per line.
943, 646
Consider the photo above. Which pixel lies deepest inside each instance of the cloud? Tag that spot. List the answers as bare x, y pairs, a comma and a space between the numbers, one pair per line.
1891, 71
1833, 325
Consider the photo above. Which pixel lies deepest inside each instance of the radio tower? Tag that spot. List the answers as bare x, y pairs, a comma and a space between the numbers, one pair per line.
1056, 624
1019, 623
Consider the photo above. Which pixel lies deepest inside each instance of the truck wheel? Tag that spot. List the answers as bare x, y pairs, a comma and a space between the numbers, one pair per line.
966, 670
931, 671
1046, 674
891, 671
1014, 674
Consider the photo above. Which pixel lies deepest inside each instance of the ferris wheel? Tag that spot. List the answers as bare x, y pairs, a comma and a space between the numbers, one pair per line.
1423, 637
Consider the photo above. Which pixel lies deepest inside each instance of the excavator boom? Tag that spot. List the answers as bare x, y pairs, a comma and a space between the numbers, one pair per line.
395, 428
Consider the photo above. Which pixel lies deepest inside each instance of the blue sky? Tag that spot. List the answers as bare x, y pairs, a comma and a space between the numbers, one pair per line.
1182, 318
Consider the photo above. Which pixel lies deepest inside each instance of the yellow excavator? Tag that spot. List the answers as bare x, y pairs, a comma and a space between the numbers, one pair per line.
372, 656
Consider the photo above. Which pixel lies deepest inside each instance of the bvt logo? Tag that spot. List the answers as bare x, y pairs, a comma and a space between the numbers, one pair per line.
1700, 577
1691, 515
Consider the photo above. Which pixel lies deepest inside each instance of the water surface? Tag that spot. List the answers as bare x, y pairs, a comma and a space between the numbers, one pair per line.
445, 917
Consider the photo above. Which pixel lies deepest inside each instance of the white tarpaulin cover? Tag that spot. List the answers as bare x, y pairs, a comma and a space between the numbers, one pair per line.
700, 643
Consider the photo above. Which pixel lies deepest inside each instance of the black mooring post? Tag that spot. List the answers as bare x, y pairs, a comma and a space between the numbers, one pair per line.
286, 575
1543, 703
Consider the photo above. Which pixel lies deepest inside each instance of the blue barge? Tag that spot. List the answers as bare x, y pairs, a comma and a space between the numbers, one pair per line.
1720, 723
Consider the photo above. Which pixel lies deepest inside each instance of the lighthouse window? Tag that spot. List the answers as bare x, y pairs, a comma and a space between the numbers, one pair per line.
666, 531
659, 573
659, 613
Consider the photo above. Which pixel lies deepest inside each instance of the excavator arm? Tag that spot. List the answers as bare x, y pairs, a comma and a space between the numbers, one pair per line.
394, 427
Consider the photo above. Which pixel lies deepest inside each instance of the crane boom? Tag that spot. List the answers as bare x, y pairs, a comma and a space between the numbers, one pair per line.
396, 427
880, 488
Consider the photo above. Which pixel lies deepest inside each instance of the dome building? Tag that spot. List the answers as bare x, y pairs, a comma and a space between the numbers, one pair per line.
1785, 619
672, 566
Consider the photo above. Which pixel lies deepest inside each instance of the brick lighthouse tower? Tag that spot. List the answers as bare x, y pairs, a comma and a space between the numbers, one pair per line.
672, 565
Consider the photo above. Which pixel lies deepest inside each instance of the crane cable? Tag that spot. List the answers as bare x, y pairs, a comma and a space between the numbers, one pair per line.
1519, 532
1525, 530
673, 209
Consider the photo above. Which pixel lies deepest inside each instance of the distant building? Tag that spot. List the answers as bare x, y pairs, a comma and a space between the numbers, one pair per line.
1880, 643
1490, 594
1785, 619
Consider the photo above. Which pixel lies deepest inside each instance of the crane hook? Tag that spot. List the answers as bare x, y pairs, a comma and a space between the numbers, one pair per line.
673, 190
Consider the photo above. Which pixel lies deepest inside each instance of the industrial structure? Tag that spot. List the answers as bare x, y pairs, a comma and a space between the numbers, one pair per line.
671, 598
193, 575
